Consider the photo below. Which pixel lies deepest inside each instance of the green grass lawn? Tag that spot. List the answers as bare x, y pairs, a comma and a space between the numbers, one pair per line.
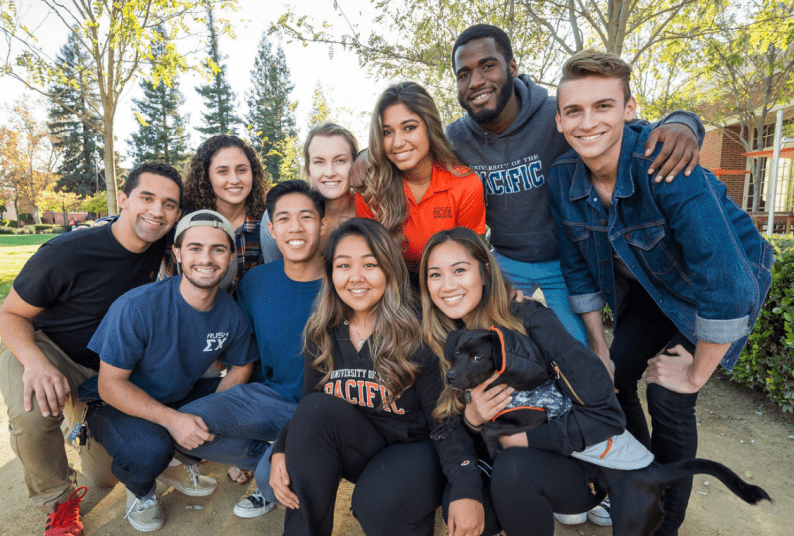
25, 240
13, 258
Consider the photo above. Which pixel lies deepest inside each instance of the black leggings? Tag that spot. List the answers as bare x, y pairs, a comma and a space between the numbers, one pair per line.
398, 486
526, 486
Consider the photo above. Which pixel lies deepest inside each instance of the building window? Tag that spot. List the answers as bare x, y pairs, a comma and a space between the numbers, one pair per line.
784, 184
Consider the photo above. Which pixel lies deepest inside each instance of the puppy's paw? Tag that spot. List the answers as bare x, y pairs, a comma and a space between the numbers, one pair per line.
443, 430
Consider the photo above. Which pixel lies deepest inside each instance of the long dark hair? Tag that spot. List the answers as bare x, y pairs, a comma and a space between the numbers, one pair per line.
396, 337
198, 188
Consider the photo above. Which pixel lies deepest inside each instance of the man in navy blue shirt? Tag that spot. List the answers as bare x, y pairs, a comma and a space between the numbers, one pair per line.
154, 344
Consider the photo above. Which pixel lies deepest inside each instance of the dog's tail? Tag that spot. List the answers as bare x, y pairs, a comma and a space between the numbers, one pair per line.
675, 472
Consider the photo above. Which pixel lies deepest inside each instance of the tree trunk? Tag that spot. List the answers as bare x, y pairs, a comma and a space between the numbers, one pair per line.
110, 164
36, 215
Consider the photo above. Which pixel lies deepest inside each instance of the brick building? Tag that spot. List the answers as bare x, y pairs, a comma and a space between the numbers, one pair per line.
724, 155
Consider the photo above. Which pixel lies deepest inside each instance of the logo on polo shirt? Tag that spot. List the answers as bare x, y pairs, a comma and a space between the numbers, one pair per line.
442, 212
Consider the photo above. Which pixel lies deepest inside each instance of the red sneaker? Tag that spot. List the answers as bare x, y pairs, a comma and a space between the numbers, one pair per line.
65, 521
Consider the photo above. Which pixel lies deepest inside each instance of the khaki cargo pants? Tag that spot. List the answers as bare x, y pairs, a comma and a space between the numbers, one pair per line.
39, 442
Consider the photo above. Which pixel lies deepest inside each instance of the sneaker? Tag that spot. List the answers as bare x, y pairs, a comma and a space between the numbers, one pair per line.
600, 514
254, 505
187, 480
145, 515
571, 519
65, 521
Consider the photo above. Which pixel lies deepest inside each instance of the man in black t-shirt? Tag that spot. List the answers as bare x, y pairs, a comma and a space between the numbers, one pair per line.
56, 303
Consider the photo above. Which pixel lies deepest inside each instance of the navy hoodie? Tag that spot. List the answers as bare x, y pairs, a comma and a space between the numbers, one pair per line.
513, 166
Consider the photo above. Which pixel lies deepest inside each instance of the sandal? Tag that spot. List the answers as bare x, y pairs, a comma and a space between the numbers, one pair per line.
239, 476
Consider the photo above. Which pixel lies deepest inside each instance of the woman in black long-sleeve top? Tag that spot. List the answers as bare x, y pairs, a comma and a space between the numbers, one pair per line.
462, 287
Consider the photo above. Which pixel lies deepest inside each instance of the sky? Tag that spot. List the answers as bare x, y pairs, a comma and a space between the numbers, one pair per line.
346, 85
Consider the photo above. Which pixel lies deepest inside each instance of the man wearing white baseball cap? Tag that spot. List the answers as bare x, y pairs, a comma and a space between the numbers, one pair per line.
154, 344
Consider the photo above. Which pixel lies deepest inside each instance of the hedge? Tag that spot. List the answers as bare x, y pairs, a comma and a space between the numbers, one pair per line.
767, 362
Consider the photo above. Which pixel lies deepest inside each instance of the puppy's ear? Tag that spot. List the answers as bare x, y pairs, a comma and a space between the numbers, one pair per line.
498, 354
452, 342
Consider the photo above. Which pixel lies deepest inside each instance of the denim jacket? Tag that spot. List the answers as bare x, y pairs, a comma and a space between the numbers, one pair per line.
695, 252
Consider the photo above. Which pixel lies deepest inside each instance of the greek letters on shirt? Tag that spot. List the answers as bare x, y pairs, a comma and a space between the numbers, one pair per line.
511, 177
215, 341
361, 387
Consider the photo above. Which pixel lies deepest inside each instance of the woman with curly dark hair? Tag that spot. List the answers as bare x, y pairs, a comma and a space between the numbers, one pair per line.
227, 176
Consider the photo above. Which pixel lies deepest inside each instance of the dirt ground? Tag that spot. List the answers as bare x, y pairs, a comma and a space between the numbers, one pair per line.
738, 427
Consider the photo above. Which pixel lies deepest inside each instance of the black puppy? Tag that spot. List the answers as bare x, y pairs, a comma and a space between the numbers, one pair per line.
474, 356
636, 495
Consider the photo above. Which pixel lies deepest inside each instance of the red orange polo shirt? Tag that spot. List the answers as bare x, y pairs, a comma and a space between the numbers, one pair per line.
449, 202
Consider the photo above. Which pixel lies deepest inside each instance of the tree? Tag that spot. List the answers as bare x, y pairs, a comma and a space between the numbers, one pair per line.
117, 36
28, 156
289, 154
70, 124
219, 99
321, 110
412, 39
161, 129
750, 62
270, 113
95, 204
59, 201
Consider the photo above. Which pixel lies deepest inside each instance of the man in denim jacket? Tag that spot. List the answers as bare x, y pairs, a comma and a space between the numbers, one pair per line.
681, 265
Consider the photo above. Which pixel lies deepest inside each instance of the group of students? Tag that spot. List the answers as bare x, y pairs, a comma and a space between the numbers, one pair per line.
329, 307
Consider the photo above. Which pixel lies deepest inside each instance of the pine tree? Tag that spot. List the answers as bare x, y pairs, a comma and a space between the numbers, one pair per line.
161, 129
218, 95
271, 117
80, 168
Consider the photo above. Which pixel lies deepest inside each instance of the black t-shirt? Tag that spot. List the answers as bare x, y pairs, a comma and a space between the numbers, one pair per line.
75, 277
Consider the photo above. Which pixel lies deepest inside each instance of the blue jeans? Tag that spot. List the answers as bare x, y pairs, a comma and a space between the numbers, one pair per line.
244, 419
140, 449
546, 276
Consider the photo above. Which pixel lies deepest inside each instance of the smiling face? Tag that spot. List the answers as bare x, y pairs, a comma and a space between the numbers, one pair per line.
405, 139
330, 159
485, 80
149, 211
296, 226
205, 255
591, 114
358, 279
231, 177
454, 281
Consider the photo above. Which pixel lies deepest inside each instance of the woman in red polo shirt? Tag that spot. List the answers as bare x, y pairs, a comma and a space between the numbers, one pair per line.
415, 185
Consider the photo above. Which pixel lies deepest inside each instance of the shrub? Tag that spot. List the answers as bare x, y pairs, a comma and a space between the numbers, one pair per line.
58, 229
7, 230
13, 223
4, 223
43, 228
26, 216
26, 230
767, 362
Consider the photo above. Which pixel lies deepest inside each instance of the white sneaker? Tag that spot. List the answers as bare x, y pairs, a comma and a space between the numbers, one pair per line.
571, 519
254, 505
187, 480
145, 515
600, 515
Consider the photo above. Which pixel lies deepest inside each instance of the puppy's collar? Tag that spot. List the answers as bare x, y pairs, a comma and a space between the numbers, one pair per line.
502, 341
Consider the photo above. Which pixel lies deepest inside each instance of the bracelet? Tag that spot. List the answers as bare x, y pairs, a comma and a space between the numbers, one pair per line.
470, 425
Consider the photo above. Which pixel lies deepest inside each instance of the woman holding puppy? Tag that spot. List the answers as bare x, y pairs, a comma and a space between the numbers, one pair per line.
370, 387
462, 287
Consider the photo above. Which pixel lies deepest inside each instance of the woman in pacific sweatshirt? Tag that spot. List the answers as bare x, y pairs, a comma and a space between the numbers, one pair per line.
370, 387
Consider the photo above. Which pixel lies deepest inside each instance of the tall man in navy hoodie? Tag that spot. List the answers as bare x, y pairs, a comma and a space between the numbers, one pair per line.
510, 139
